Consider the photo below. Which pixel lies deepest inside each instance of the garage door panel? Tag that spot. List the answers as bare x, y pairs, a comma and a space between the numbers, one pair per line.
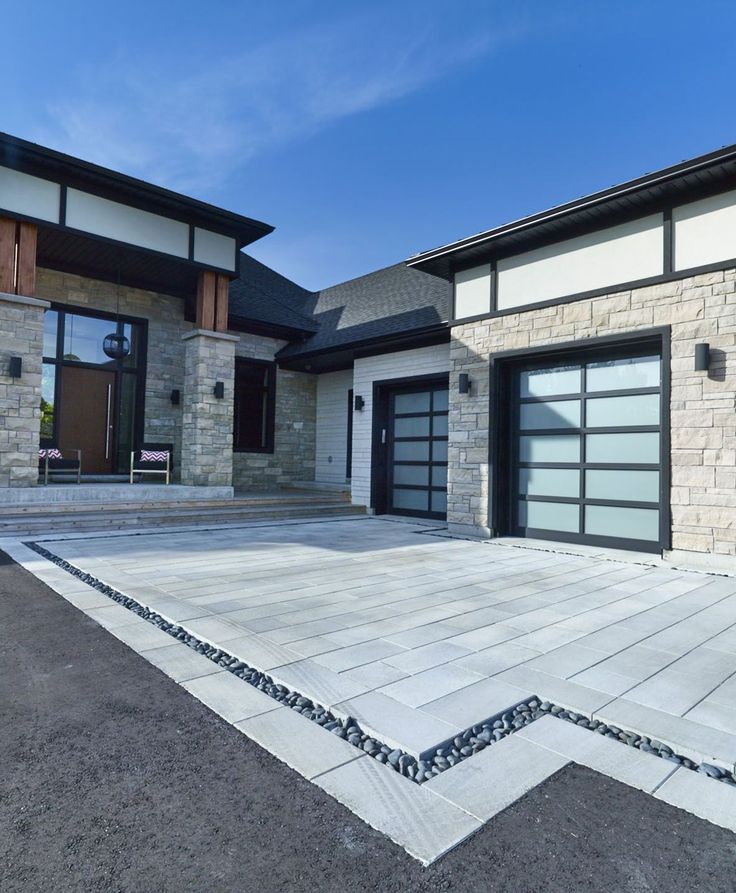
586, 450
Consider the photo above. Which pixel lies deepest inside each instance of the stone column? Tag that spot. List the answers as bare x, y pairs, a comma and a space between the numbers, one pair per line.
21, 335
207, 420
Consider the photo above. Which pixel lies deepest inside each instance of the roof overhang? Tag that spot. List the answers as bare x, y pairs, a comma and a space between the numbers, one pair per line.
96, 222
687, 181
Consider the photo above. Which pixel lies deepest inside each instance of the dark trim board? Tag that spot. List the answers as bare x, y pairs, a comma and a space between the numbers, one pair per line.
503, 424
382, 391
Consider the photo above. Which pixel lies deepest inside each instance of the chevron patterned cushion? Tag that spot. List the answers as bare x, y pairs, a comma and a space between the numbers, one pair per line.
52, 453
154, 455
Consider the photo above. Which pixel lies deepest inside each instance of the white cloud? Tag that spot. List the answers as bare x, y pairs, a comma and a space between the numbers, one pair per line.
190, 129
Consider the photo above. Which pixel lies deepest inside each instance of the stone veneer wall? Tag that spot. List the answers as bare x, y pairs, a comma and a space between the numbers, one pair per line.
21, 335
703, 421
207, 447
293, 458
166, 325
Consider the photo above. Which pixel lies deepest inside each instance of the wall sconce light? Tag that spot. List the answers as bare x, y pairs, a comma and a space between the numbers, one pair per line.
463, 383
175, 397
702, 357
15, 367
359, 403
219, 389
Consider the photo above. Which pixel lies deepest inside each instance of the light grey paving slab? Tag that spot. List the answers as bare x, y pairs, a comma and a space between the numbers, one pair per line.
497, 776
496, 659
626, 764
602, 679
213, 629
396, 724
316, 645
110, 615
430, 685
691, 739
318, 683
716, 715
142, 636
477, 702
425, 657
299, 743
180, 662
88, 598
702, 796
479, 639
355, 655
376, 675
230, 697
424, 824
561, 691
567, 660
259, 652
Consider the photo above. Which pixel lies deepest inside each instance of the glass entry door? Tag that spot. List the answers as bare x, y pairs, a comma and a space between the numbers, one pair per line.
586, 451
417, 452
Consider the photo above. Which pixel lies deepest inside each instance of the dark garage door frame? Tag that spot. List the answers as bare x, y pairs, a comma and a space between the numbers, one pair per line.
501, 459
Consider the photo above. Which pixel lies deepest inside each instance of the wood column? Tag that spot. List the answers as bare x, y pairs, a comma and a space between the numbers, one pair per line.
212, 301
17, 257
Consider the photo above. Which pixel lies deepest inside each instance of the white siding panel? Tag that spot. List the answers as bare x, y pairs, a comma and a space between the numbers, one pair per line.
332, 426
609, 257
473, 291
102, 217
29, 195
403, 364
214, 249
704, 231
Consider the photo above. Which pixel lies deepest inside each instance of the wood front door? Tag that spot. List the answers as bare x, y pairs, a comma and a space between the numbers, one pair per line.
86, 416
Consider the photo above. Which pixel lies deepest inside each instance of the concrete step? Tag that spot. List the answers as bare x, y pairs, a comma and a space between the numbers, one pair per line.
155, 516
292, 498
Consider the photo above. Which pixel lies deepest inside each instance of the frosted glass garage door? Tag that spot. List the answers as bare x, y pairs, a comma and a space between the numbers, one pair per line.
586, 454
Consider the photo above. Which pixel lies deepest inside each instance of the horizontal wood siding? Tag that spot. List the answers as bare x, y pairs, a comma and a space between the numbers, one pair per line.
332, 426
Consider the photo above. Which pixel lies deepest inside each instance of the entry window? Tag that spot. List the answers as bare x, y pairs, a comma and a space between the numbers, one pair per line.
254, 406
587, 451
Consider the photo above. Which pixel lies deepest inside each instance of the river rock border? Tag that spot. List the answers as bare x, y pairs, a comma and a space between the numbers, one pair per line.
473, 740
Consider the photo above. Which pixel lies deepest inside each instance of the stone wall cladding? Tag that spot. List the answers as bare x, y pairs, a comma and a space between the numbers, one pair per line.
166, 325
703, 422
293, 458
207, 448
21, 335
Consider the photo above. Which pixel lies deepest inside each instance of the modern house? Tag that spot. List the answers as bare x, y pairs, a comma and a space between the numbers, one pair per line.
570, 376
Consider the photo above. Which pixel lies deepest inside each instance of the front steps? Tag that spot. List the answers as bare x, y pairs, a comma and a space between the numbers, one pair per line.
77, 517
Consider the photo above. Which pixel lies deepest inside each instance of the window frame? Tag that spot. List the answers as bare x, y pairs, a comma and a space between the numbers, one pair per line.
270, 396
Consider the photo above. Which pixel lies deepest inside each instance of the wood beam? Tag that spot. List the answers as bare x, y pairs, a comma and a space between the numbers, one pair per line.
221, 306
8, 229
206, 288
26, 265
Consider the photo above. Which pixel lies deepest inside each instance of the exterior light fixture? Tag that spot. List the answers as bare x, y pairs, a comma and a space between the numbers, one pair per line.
15, 367
359, 403
116, 346
175, 397
702, 357
219, 389
463, 383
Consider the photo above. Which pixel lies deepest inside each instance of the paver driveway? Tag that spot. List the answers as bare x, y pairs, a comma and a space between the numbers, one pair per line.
418, 636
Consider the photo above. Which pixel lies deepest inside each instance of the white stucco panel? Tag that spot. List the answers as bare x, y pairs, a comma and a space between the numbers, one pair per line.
612, 256
704, 232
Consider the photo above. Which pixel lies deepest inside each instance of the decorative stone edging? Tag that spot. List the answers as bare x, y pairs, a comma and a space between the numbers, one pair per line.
464, 745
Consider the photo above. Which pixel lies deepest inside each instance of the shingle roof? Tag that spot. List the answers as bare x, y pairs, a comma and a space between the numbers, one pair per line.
387, 302
265, 296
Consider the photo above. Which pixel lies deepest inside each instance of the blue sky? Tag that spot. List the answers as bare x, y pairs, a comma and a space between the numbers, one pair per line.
366, 132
